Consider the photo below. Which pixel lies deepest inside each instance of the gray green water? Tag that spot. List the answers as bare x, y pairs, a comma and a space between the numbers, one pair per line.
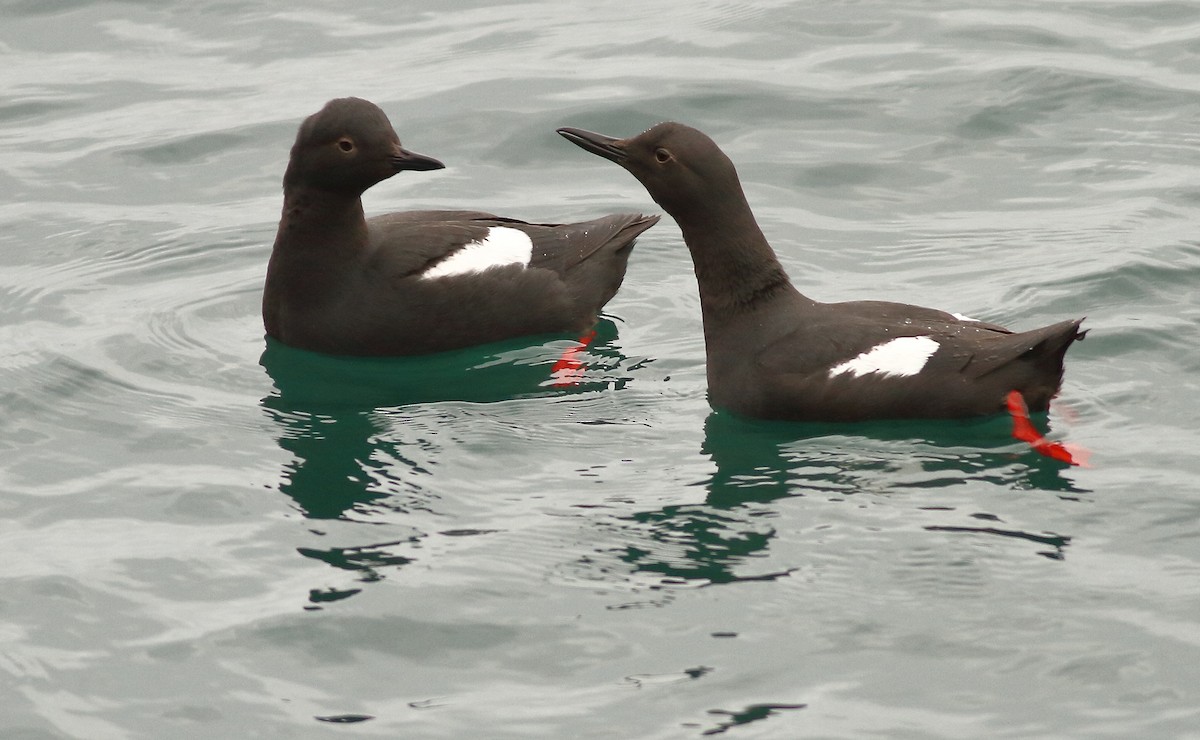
206, 536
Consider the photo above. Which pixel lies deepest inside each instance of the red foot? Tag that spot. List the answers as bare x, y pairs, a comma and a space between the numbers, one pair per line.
568, 371
1024, 430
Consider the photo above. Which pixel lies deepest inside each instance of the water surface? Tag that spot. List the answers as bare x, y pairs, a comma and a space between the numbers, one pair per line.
209, 535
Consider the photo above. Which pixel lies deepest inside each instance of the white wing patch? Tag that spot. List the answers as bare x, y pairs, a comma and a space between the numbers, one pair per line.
900, 356
502, 246
960, 317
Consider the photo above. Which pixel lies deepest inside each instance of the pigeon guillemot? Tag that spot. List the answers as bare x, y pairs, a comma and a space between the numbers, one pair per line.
420, 281
774, 353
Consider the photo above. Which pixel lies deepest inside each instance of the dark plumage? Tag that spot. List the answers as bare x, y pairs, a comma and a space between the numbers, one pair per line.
401, 283
774, 353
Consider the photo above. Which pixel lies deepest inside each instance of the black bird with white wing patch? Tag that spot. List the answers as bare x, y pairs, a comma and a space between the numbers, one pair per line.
420, 281
774, 353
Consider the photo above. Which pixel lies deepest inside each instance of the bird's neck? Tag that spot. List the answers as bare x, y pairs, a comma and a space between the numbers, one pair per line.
320, 235
317, 219
736, 269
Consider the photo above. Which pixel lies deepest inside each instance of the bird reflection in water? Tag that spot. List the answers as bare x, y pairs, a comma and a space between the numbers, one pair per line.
364, 432
758, 463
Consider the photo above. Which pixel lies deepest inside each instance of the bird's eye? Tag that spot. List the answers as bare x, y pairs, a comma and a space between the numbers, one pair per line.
345, 145
662, 155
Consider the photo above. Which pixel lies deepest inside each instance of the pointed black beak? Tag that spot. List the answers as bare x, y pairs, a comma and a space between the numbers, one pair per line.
606, 146
402, 159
